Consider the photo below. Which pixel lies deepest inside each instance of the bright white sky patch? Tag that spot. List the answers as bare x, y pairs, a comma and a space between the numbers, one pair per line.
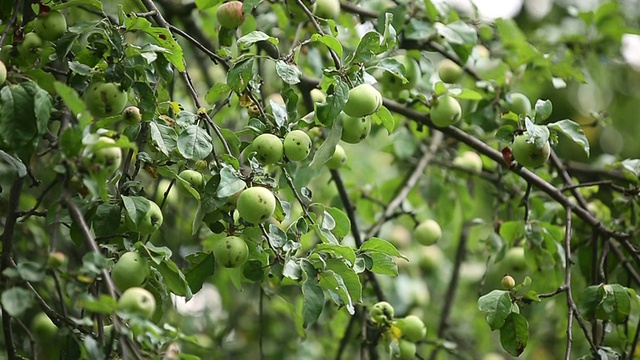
631, 50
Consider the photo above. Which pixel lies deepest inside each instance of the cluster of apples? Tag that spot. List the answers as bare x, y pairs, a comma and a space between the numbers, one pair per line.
412, 329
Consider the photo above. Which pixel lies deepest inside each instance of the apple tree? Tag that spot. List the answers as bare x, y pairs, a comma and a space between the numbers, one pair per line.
299, 179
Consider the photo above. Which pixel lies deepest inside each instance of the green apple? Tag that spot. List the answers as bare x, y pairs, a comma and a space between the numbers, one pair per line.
50, 26
527, 153
354, 130
137, 301
412, 327
3, 73
407, 350
56, 259
449, 71
327, 9
151, 221
446, 111
508, 282
412, 74
518, 103
231, 252
131, 115
43, 329
514, 259
30, 44
130, 270
268, 148
317, 96
105, 99
256, 204
430, 259
230, 15
469, 160
104, 154
381, 312
194, 178
297, 145
338, 158
427, 232
363, 100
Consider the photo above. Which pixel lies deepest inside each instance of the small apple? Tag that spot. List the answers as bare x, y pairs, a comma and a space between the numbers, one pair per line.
427, 232
514, 259
469, 160
3, 73
327, 9
412, 74
256, 204
131, 115
407, 350
431, 259
30, 44
317, 96
231, 252
137, 301
381, 312
449, 71
151, 221
268, 148
43, 329
508, 282
412, 327
518, 103
338, 158
130, 270
103, 154
354, 130
297, 145
527, 153
194, 178
56, 259
105, 99
446, 111
50, 26
363, 100
230, 15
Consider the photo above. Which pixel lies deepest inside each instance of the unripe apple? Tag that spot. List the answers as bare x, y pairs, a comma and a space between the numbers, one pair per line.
514, 259
411, 73
518, 103
363, 100
56, 259
527, 153
151, 221
42, 328
431, 259
194, 178
327, 9
3, 73
130, 270
230, 15
381, 312
30, 44
107, 157
447, 111
469, 160
231, 252
449, 71
268, 148
338, 158
412, 327
131, 115
354, 130
137, 301
105, 99
508, 282
297, 145
427, 232
317, 96
256, 204
407, 350
50, 26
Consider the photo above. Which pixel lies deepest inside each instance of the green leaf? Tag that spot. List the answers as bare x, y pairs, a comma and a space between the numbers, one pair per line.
162, 36
342, 225
539, 134
381, 246
514, 334
104, 304
384, 116
136, 208
16, 301
368, 47
194, 143
71, 3
544, 108
466, 94
173, 278
201, 267
337, 251
165, 137
13, 162
419, 30
573, 131
497, 307
616, 303
382, 264
240, 74
230, 183
313, 301
289, 73
253, 37
72, 100
349, 277
217, 92
337, 290
327, 111
330, 41
205, 4
328, 147
589, 302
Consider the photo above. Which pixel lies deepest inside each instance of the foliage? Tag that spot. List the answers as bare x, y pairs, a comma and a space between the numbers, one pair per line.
327, 236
